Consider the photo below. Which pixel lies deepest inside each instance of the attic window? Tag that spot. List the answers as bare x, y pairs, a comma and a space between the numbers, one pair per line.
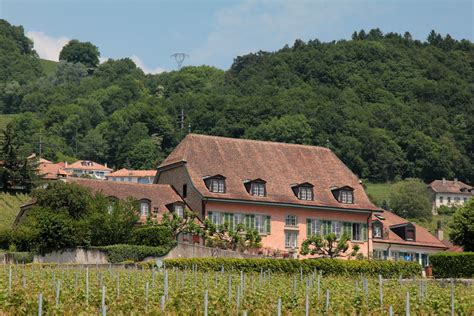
179, 210
410, 233
257, 189
377, 230
216, 184
304, 191
144, 207
346, 196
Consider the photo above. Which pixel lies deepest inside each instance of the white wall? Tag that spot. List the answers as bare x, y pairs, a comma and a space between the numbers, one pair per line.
453, 197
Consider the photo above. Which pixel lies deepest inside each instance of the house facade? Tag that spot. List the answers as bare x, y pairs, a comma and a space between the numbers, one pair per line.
83, 168
135, 176
449, 193
395, 238
287, 193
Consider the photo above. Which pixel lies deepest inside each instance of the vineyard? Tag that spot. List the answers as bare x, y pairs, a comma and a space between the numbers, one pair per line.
74, 290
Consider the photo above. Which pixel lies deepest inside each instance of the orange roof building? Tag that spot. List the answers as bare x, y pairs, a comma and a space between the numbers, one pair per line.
136, 176
87, 168
449, 193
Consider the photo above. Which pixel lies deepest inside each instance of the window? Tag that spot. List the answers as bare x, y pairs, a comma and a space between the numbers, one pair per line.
215, 217
257, 189
305, 193
449, 199
441, 200
144, 208
326, 227
457, 200
290, 220
179, 210
359, 231
312, 227
336, 228
291, 239
376, 230
185, 190
261, 223
346, 196
217, 185
410, 233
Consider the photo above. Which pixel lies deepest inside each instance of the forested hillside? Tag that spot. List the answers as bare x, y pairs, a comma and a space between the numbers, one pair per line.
390, 106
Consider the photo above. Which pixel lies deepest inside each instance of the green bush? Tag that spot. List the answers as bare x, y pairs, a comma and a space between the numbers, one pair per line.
326, 266
154, 236
121, 253
453, 264
4, 238
20, 257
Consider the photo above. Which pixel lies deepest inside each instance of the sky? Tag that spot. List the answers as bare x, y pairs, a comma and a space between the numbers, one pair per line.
214, 32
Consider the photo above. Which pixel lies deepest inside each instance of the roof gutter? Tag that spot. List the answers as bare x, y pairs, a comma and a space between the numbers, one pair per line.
331, 208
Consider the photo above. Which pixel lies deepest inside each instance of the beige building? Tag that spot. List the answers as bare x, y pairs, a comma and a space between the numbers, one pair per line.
87, 168
449, 193
135, 176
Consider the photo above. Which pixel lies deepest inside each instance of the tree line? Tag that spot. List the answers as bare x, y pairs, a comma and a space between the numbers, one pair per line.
389, 106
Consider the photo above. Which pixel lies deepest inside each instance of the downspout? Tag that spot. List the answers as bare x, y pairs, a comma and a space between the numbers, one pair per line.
369, 236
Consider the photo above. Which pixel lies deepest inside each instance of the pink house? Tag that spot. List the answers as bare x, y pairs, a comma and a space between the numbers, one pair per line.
285, 191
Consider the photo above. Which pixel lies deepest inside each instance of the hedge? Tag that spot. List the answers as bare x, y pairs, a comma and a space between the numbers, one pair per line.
19, 257
154, 236
327, 266
121, 253
453, 264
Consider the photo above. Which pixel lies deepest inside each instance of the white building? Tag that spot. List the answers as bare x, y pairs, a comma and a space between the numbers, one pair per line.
136, 176
449, 193
87, 168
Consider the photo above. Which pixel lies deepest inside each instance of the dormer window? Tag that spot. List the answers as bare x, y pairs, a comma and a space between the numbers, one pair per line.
346, 196
256, 187
377, 230
215, 184
406, 231
304, 191
144, 207
179, 210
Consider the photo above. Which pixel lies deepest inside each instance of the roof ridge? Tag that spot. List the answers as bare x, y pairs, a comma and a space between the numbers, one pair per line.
257, 141
146, 185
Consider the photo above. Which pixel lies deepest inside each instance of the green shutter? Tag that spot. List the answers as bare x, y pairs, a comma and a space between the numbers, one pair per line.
252, 221
247, 221
364, 232
231, 221
269, 225
308, 227
209, 215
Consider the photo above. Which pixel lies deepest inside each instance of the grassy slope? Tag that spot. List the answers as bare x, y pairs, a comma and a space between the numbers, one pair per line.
48, 66
9, 207
378, 192
4, 120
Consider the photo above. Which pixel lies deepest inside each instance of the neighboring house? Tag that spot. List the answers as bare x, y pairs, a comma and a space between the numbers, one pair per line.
153, 199
48, 170
82, 168
449, 193
285, 191
395, 238
136, 176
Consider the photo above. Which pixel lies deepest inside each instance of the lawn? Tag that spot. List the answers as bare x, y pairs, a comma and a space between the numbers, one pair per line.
378, 192
9, 207
49, 66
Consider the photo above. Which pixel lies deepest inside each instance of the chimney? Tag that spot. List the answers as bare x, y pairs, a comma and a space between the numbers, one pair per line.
444, 180
105, 165
455, 180
65, 164
439, 231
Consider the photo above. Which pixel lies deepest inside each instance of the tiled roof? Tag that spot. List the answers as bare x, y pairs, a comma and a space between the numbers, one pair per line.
51, 171
132, 173
446, 186
87, 165
422, 236
159, 195
280, 165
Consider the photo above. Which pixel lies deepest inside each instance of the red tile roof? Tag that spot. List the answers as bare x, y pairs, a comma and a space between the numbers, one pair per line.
51, 171
422, 236
159, 195
446, 186
87, 165
132, 173
280, 165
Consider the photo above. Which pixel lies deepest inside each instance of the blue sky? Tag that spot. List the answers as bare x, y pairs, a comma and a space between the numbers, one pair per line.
215, 32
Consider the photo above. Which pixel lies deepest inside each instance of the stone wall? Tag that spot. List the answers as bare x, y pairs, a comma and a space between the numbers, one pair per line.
78, 255
183, 250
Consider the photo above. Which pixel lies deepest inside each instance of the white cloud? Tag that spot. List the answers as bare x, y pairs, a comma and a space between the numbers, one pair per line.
268, 25
145, 69
46, 46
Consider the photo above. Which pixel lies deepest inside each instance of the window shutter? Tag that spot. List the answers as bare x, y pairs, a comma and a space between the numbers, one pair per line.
269, 225
231, 221
364, 232
209, 215
308, 227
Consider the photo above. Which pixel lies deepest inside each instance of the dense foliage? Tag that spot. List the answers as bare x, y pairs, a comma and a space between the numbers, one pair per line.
68, 215
411, 199
462, 226
78, 52
326, 266
154, 236
453, 264
388, 105
142, 292
329, 246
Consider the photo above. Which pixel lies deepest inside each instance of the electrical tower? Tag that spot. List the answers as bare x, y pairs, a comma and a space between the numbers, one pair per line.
179, 58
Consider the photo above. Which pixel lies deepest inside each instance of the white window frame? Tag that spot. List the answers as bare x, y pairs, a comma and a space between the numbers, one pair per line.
305, 193
346, 196
291, 239
291, 220
144, 208
257, 189
217, 185
377, 231
179, 210
315, 227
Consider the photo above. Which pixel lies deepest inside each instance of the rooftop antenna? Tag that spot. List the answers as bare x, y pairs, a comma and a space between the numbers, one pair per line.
179, 58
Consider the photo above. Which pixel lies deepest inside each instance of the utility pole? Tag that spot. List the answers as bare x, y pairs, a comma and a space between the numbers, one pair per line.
179, 58
181, 119
40, 144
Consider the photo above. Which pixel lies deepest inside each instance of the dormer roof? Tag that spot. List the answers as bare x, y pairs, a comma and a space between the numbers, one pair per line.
280, 165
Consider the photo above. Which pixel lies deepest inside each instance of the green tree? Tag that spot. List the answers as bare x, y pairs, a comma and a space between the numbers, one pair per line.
329, 246
239, 238
80, 52
289, 129
462, 227
410, 198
